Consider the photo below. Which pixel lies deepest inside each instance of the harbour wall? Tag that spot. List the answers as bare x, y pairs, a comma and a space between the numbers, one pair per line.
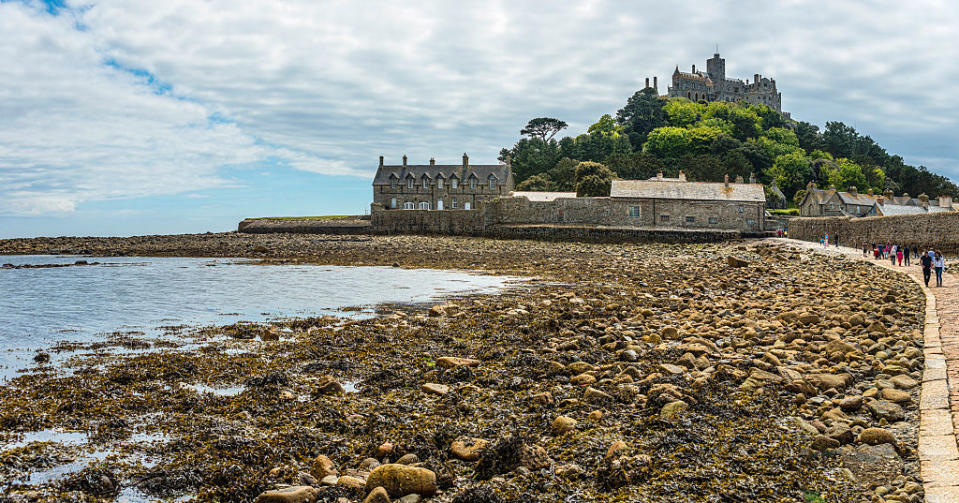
936, 231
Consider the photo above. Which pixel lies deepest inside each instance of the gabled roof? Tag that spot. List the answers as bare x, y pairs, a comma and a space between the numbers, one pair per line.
383, 173
702, 191
890, 209
820, 196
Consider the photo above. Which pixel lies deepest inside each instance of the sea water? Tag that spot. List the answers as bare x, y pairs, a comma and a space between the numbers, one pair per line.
41, 307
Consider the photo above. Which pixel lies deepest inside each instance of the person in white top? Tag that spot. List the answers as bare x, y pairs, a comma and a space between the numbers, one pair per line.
939, 264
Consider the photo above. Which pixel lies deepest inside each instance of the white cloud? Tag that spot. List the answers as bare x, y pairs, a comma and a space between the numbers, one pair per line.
326, 87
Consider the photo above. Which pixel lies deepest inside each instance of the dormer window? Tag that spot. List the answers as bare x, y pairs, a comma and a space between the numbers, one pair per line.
472, 183
454, 183
492, 183
409, 182
426, 183
439, 183
393, 182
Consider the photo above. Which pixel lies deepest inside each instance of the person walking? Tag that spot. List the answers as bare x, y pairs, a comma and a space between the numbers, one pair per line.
906, 256
926, 262
892, 255
899, 255
939, 263
864, 249
825, 241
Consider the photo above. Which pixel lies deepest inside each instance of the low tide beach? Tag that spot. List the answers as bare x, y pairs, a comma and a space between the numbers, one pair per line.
747, 371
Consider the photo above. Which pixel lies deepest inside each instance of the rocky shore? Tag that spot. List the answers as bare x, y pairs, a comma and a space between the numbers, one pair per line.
654, 373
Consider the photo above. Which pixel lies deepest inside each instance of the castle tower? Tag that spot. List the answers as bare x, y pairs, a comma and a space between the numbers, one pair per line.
716, 68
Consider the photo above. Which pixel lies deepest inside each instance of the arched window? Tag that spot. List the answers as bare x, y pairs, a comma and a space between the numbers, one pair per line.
424, 205
408, 205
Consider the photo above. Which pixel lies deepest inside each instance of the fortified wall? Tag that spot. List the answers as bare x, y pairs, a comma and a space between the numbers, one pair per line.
936, 230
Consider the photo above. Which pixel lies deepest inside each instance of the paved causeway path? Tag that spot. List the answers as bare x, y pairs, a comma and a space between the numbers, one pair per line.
939, 400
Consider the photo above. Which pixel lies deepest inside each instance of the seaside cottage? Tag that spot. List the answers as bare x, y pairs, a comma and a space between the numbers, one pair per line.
440, 186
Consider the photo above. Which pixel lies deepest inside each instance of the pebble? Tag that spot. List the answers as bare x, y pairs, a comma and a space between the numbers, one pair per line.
563, 424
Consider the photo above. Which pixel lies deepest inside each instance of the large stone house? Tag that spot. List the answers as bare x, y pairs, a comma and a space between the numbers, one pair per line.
439, 186
677, 203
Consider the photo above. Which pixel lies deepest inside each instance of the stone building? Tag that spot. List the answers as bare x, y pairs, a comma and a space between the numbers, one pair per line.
677, 203
439, 186
833, 203
713, 85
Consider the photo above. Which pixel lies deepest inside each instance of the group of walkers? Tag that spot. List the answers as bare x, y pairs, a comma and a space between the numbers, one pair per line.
930, 261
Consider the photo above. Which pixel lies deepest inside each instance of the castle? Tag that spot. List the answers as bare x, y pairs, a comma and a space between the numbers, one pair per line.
712, 85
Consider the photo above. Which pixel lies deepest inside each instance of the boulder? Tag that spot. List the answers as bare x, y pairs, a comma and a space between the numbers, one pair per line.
468, 448
876, 436
322, 467
448, 362
400, 480
435, 389
826, 381
294, 494
352, 483
327, 385
378, 495
884, 409
563, 424
673, 409
903, 381
872, 465
895, 395
737, 262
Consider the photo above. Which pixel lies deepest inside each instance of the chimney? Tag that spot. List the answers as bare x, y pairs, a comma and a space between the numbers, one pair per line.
682, 176
739, 179
647, 82
694, 68
752, 176
881, 200
432, 161
755, 78
404, 159
888, 193
870, 192
924, 201
726, 180
659, 176
466, 160
852, 190
381, 161
509, 161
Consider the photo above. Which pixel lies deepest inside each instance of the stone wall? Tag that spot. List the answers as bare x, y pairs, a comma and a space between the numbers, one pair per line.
346, 225
937, 230
455, 222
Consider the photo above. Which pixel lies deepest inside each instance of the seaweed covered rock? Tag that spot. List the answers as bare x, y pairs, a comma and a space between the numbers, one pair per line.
508, 454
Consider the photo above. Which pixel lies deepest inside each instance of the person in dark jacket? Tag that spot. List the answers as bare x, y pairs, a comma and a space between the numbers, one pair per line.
926, 262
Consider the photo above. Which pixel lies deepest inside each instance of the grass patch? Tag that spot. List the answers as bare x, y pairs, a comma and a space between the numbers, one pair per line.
321, 217
787, 211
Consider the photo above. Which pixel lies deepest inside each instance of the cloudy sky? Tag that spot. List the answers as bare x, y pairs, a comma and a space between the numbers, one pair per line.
123, 117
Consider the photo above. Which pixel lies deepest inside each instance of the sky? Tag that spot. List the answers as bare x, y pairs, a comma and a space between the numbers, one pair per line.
131, 117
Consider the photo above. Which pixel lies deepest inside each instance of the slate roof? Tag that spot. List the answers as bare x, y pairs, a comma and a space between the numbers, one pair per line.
858, 199
482, 172
542, 196
888, 210
701, 191
820, 196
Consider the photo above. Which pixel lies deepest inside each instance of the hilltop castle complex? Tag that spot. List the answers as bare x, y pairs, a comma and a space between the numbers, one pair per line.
712, 85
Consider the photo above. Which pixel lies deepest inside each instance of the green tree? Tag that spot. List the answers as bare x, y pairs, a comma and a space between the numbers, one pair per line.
593, 179
643, 113
606, 126
668, 142
846, 174
782, 135
682, 112
563, 175
701, 168
791, 172
635, 166
544, 128
537, 183
531, 156
701, 138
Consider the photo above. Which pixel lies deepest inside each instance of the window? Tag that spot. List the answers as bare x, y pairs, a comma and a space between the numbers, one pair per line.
439, 183
740, 208
466, 205
713, 220
454, 183
472, 183
409, 183
750, 222
634, 211
393, 183
664, 218
408, 205
393, 203
690, 220
426, 183
439, 204
453, 202
492, 183
424, 205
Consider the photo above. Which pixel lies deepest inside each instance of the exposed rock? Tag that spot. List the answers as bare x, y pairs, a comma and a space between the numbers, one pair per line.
872, 464
294, 494
435, 389
377, 495
563, 424
876, 436
737, 262
468, 448
322, 467
673, 409
400, 480
350, 482
327, 385
903, 381
448, 362
884, 409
